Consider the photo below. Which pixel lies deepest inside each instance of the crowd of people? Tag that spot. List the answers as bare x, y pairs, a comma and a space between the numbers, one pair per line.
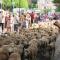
13, 22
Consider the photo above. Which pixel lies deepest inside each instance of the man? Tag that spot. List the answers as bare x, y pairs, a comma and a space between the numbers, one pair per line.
16, 22
1, 24
28, 20
32, 17
8, 22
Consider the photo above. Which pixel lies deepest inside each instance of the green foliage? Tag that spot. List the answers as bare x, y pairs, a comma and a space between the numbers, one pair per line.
56, 1
33, 5
58, 9
7, 4
23, 3
16, 3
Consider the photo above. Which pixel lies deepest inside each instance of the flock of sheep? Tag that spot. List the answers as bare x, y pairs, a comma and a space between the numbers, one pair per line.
30, 44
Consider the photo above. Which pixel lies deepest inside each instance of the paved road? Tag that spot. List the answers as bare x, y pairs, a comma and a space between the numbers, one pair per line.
57, 52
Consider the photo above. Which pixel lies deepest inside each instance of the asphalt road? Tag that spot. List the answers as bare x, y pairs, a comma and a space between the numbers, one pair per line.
57, 52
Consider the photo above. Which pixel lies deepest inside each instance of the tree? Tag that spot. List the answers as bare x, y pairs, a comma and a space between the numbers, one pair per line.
23, 3
17, 3
56, 1
7, 4
33, 5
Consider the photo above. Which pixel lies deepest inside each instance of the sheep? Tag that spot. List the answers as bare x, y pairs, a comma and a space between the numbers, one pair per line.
42, 45
14, 56
29, 42
51, 48
33, 49
52, 38
11, 48
4, 55
15, 49
20, 47
57, 23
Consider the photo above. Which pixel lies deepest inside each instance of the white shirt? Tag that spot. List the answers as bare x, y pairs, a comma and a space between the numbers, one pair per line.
3, 20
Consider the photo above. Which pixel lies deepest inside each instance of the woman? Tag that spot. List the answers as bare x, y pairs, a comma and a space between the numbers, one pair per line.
8, 23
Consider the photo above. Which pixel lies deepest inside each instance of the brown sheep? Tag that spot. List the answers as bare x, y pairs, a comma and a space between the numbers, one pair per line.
14, 56
57, 23
33, 49
51, 48
11, 48
4, 55
42, 44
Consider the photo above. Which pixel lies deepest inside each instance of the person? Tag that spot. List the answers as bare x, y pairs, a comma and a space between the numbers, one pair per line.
16, 21
46, 17
39, 18
12, 23
8, 22
24, 22
55, 16
28, 19
21, 19
36, 18
32, 17
1, 24
27, 24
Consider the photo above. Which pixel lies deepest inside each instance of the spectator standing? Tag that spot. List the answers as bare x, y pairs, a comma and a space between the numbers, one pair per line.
35, 18
8, 23
46, 17
32, 17
27, 24
28, 19
1, 24
12, 23
16, 21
